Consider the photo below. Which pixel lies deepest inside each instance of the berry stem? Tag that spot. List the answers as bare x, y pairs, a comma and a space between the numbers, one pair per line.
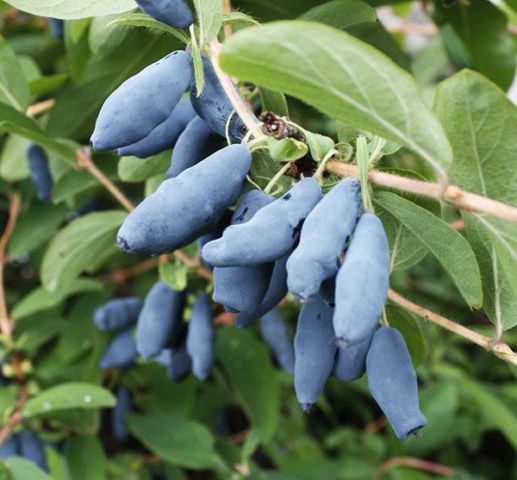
498, 348
411, 462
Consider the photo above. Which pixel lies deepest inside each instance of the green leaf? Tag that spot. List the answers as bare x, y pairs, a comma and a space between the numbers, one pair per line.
175, 439
446, 244
481, 28
77, 47
40, 299
14, 90
21, 469
493, 408
210, 14
145, 21
80, 246
69, 9
319, 145
13, 159
238, 17
85, 458
174, 275
273, 101
482, 126
264, 168
253, 378
66, 396
341, 76
47, 84
133, 169
287, 149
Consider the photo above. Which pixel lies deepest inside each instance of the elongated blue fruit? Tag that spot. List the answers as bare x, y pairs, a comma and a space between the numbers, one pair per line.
40, 172
179, 365
175, 13
314, 350
276, 291
188, 206
362, 282
197, 142
57, 27
350, 361
31, 448
270, 234
163, 136
242, 289
325, 232
142, 102
214, 106
160, 321
122, 407
9, 448
200, 338
276, 335
117, 314
121, 352
392, 382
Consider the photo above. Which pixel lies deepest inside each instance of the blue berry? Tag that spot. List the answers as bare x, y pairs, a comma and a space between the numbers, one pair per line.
362, 282
392, 382
323, 238
57, 27
163, 136
9, 448
214, 107
161, 320
142, 103
200, 337
118, 313
270, 234
350, 361
314, 350
31, 448
277, 336
175, 13
188, 206
122, 407
40, 172
121, 352
195, 143
180, 364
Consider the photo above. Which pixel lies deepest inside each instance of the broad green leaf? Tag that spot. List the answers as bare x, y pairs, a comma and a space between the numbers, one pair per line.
13, 86
252, 377
66, 396
13, 159
446, 244
77, 47
145, 21
493, 408
85, 458
273, 101
35, 227
33, 332
210, 14
341, 76
40, 299
22, 469
47, 84
360, 20
175, 275
287, 149
15, 122
482, 126
70, 9
133, 169
238, 17
264, 168
79, 246
175, 439
481, 28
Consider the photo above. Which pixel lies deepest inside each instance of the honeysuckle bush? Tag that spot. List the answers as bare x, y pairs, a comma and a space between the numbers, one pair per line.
432, 138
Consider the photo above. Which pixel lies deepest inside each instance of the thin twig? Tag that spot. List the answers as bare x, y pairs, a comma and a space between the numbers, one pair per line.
40, 107
404, 28
6, 325
451, 193
498, 348
411, 462
84, 161
233, 95
228, 28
